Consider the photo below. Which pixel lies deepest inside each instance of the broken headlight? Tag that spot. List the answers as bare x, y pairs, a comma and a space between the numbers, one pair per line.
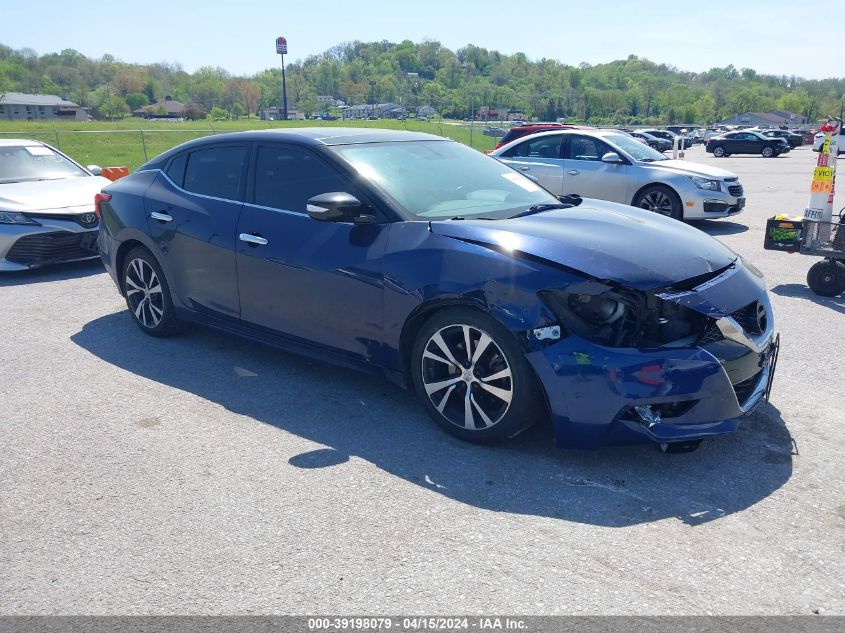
621, 317
593, 311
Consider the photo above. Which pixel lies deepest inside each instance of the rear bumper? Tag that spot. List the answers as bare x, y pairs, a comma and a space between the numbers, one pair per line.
699, 392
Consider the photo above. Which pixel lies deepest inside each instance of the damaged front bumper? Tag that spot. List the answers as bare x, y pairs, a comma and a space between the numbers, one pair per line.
599, 395
666, 393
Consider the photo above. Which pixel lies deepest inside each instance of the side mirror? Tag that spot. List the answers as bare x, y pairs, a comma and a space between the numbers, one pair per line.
95, 169
337, 206
612, 157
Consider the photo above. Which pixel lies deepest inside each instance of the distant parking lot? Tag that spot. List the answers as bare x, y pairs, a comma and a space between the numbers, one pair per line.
207, 474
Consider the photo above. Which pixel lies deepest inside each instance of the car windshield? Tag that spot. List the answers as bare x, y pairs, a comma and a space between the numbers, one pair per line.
444, 179
636, 150
20, 163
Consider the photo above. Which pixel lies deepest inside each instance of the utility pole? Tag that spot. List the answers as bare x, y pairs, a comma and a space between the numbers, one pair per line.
282, 49
373, 97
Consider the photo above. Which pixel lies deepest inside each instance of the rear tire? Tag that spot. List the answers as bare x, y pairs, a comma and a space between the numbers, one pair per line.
484, 395
148, 295
719, 152
660, 199
827, 278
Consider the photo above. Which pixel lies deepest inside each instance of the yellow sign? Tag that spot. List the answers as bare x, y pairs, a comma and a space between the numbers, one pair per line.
823, 173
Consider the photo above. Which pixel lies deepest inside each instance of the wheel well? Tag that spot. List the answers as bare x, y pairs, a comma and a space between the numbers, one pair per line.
415, 321
122, 252
652, 184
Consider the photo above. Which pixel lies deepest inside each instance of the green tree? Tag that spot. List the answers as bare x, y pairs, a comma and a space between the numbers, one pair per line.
136, 100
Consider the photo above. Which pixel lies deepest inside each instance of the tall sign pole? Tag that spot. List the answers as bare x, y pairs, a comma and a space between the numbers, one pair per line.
282, 49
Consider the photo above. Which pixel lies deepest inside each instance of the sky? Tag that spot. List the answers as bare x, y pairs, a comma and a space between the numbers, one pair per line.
781, 37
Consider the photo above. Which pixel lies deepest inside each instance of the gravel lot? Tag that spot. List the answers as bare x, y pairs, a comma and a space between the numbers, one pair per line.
207, 474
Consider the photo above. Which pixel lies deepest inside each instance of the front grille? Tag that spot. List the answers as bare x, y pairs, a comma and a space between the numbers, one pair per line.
745, 388
736, 191
49, 248
711, 334
747, 318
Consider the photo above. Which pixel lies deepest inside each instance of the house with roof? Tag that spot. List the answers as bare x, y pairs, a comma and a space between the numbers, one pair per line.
166, 108
20, 106
773, 118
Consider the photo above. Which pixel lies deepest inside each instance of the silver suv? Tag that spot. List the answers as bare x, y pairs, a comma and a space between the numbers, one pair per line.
611, 165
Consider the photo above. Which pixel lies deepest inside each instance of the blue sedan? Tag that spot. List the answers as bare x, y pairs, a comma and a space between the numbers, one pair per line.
414, 257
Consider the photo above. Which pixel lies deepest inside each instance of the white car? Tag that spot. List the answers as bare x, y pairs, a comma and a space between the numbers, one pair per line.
611, 165
46, 206
818, 139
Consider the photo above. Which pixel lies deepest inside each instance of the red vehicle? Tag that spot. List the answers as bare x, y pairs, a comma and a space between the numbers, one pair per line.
532, 128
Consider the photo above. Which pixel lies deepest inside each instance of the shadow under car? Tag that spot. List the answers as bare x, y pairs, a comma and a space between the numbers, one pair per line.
356, 414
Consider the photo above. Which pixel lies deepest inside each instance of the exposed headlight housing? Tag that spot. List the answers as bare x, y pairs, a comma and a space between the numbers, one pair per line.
621, 317
12, 217
706, 183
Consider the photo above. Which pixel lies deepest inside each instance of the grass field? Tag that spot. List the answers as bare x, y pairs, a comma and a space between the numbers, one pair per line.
122, 143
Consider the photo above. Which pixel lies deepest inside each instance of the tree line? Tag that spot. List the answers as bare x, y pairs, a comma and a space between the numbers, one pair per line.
469, 82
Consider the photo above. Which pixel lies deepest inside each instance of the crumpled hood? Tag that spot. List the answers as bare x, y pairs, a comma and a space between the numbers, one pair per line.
604, 240
66, 195
689, 169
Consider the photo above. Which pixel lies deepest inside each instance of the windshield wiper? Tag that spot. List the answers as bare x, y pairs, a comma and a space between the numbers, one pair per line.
539, 208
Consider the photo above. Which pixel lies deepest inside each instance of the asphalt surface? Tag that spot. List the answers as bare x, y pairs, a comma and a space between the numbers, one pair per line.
207, 474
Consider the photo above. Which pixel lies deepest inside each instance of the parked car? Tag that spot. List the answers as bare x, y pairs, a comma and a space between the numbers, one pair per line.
712, 132
494, 130
746, 142
818, 139
46, 206
526, 129
685, 142
418, 258
610, 165
809, 136
654, 142
794, 140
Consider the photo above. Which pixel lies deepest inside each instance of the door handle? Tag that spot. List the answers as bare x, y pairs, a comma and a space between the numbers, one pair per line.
254, 240
161, 216
573, 172
523, 168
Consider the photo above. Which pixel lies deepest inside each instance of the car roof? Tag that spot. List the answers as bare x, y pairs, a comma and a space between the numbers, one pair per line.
310, 136
328, 135
17, 142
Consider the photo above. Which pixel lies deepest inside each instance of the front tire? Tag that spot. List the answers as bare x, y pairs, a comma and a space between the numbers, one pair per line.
148, 295
473, 378
768, 152
660, 199
827, 278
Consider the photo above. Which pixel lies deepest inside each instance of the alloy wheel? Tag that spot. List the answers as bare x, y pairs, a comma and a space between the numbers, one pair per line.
144, 293
467, 377
657, 201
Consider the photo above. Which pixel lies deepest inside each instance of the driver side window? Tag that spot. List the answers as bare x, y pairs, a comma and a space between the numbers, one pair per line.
286, 177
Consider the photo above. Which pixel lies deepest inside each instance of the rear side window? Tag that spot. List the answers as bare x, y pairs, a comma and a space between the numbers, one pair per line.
543, 147
176, 170
216, 171
286, 177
